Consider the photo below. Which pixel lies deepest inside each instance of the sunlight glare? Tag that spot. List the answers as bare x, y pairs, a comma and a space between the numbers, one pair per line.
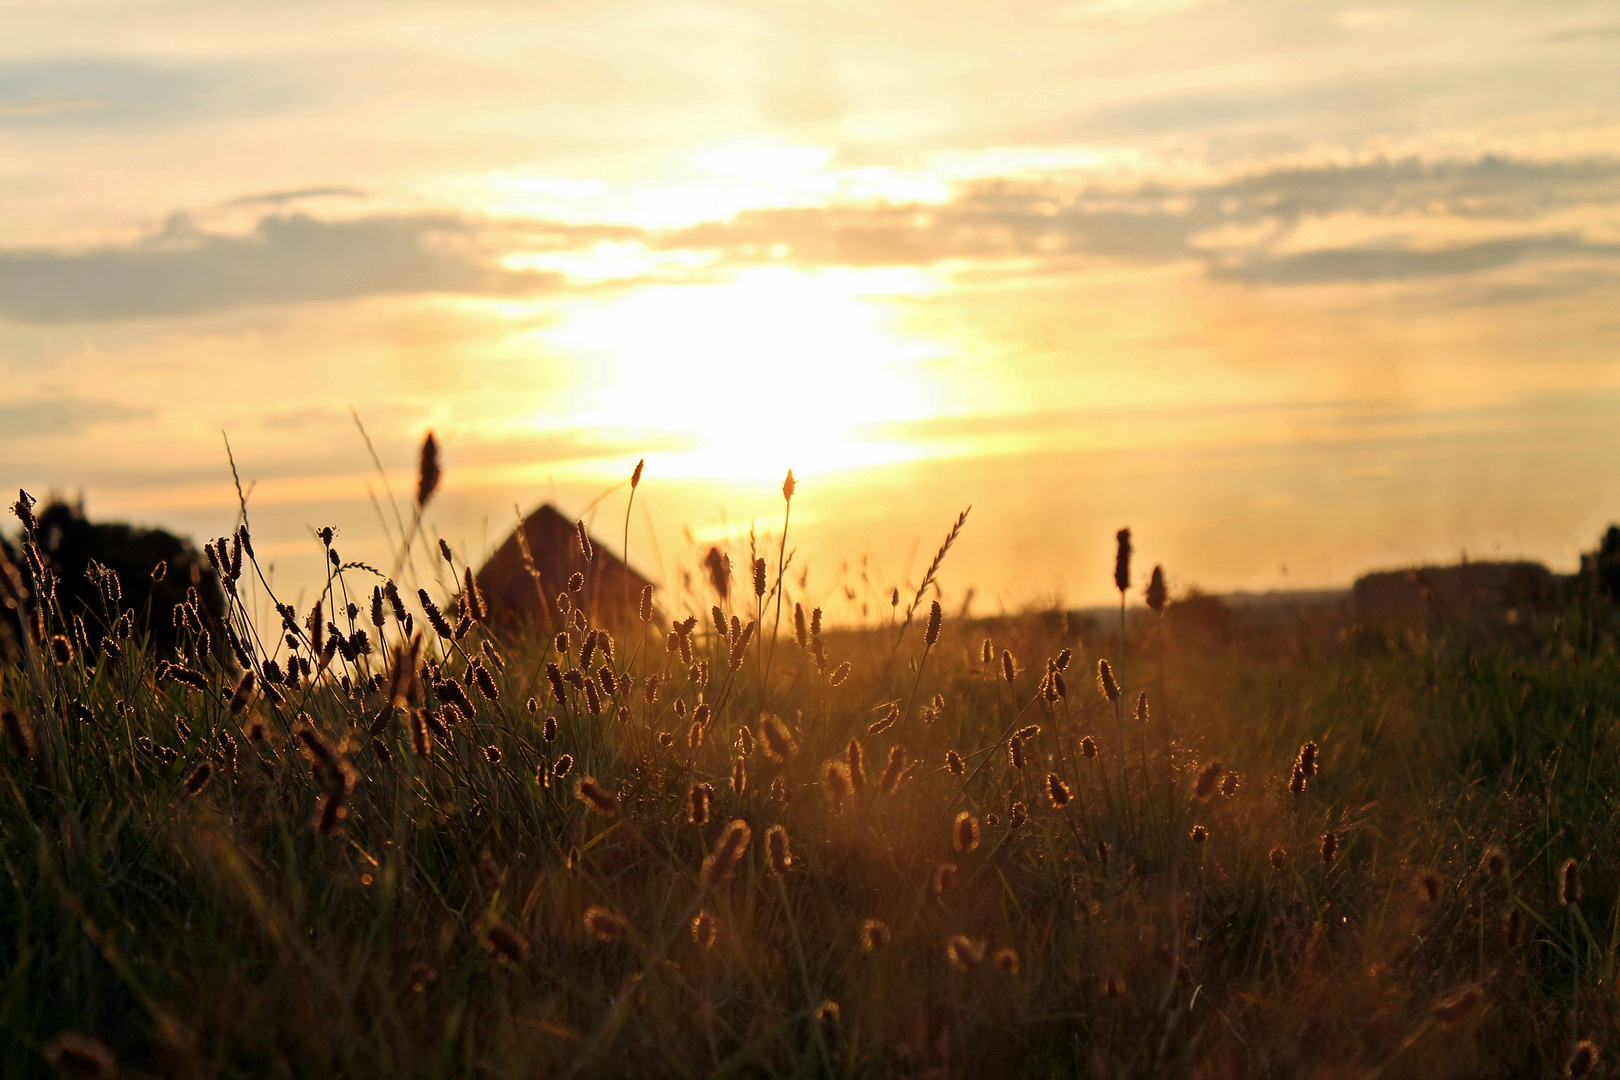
773, 370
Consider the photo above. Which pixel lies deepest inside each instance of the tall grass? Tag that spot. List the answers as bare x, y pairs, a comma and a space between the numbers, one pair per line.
453, 849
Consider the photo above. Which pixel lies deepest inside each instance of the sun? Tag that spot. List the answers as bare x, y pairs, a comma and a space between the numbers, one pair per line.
774, 369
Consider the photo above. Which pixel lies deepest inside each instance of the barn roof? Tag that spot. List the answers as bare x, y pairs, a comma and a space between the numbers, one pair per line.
612, 589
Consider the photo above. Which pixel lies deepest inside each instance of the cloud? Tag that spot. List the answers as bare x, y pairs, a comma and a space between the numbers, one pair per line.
97, 92
281, 198
61, 417
1249, 217
181, 270
1382, 263
1599, 32
1215, 109
1281, 226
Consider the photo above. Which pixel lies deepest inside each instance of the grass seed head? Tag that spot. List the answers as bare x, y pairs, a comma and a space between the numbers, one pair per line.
603, 924
778, 850
1297, 780
19, 731
1105, 681
427, 472
594, 795
1512, 926
963, 953
945, 877
1017, 816
728, 849
775, 738
875, 934
699, 803
1582, 1059
1459, 1004
953, 762
1057, 792
1006, 961
79, 1058
199, 778
895, 771
1209, 778
965, 832
836, 778
857, 769
1122, 560
936, 617
1156, 591
739, 775
1330, 847
1569, 883
705, 929
1429, 886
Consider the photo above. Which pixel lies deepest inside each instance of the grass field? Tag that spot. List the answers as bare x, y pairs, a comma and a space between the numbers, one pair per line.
926, 848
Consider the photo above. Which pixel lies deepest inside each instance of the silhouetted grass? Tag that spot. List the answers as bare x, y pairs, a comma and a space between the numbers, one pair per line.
452, 850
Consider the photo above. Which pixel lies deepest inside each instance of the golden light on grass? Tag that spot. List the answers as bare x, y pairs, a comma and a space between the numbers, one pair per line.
870, 871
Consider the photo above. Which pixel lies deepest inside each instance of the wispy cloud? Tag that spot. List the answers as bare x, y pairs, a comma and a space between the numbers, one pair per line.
89, 91
1277, 227
61, 417
182, 270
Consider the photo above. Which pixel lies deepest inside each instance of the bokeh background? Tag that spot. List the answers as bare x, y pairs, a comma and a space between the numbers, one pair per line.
1294, 289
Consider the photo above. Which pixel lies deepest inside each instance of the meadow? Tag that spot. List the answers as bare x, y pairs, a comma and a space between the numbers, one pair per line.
389, 835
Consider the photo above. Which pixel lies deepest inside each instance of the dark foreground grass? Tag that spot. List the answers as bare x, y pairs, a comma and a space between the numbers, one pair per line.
986, 867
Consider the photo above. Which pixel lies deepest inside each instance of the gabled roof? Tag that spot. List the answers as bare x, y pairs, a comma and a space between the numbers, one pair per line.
612, 589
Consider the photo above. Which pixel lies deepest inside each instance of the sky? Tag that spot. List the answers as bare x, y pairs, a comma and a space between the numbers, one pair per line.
1295, 290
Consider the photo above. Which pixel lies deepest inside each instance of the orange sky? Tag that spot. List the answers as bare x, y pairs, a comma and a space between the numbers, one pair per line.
1293, 289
